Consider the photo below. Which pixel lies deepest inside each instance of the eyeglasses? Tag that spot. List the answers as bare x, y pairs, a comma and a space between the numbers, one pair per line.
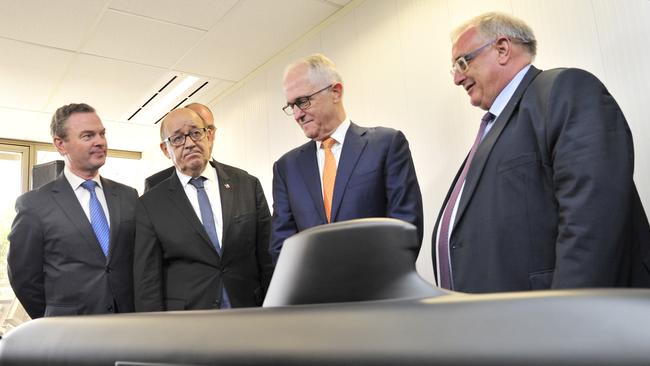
303, 103
462, 63
196, 134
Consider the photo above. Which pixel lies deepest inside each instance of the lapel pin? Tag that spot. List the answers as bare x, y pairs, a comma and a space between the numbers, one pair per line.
227, 186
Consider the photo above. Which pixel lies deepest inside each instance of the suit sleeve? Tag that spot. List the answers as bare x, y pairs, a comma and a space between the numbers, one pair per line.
264, 261
283, 224
147, 264
404, 199
593, 161
25, 260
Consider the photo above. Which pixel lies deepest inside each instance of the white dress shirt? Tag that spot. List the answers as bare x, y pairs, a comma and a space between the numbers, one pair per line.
84, 196
339, 136
211, 185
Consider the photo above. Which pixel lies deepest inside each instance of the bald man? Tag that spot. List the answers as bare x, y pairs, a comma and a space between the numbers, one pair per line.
206, 115
202, 234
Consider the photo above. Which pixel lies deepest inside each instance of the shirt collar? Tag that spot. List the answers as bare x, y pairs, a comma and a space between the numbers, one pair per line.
75, 180
339, 133
210, 173
504, 97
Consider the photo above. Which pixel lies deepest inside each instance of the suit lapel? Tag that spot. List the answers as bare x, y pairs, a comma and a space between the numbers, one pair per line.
226, 193
353, 147
113, 202
67, 200
308, 166
178, 197
483, 151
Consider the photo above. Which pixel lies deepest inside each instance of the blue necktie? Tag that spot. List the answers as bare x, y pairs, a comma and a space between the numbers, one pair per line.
97, 217
208, 223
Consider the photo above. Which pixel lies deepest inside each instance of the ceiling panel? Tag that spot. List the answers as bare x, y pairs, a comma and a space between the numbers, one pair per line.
217, 87
26, 81
112, 87
61, 23
142, 40
253, 32
201, 14
113, 53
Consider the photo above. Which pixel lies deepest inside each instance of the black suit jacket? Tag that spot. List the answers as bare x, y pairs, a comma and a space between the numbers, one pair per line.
177, 268
156, 178
549, 200
56, 266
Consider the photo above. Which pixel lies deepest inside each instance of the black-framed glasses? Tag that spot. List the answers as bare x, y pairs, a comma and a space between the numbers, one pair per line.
196, 134
303, 103
462, 63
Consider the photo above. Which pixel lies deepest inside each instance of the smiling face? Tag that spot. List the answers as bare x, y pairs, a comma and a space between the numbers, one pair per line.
324, 113
84, 146
482, 79
191, 157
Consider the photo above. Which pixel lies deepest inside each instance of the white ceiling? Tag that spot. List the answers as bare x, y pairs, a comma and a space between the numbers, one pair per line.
115, 54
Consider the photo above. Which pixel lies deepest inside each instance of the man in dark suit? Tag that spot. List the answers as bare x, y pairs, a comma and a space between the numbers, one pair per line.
71, 243
202, 234
545, 198
365, 172
206, 115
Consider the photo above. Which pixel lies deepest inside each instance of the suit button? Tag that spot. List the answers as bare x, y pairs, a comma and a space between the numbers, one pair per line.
215, 304
108, 269
110, 309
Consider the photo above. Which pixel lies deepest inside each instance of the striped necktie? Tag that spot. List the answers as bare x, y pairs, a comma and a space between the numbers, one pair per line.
97, 217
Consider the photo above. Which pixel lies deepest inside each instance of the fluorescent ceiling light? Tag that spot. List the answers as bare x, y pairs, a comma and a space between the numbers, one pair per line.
168, 97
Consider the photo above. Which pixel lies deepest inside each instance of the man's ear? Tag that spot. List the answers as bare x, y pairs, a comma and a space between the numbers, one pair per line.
59, 144
163, 148
504, 49
212, 133
337, 91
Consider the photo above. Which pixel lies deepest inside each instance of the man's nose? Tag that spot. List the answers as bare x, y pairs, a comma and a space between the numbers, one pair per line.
458, 77
189, 142
100, 139
298, 113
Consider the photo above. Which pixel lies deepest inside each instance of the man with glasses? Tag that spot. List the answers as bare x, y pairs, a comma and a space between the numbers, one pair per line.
206, 115
545, 198
202, 234
346, 171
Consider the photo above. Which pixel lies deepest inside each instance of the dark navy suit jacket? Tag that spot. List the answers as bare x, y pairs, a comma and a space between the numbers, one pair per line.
375, 178
549, 200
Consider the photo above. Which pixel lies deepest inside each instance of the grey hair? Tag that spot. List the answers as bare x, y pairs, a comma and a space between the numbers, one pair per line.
58, 126
321, 69
493, 25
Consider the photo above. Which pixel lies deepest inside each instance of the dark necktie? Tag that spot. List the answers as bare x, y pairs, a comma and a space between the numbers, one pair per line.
446, 279
97, 217
207, 218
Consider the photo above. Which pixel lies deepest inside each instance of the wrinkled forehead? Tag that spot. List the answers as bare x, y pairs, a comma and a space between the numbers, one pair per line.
181, 122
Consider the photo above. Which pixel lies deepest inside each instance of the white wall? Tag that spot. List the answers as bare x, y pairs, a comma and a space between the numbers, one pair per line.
33, 126
394, 56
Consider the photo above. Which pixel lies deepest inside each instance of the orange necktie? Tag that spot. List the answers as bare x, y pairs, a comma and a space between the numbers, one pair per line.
329, 176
